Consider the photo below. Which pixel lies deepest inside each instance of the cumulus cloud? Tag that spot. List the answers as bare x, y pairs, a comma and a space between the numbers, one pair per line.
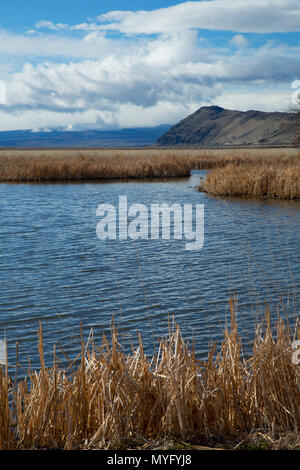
169, 70
143, 76
84, 77
239, 41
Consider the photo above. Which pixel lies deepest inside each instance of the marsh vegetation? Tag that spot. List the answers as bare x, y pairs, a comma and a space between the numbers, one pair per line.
83, 165
107, 397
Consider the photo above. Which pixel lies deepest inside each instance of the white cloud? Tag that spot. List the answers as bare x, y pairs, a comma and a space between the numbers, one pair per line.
257, 16
266, 99
45, 119
42, 24
296, 98
43, 45
85, 79
151, 79
85, 27
142, 76
239, 41
125, 115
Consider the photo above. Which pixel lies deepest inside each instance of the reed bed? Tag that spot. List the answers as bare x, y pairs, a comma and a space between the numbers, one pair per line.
113, 397
81, 165
263, 180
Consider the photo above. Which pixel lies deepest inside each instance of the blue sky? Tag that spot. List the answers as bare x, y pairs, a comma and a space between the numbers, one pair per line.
19, 14
75, 64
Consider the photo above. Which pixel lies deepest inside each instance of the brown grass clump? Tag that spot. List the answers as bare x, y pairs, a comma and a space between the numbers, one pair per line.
265, 180
93, 167
80, 165
112, 396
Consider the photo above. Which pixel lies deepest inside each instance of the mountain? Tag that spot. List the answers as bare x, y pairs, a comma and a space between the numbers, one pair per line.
136, 137
212, 126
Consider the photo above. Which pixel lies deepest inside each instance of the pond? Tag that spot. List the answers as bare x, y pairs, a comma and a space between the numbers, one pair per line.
54, 268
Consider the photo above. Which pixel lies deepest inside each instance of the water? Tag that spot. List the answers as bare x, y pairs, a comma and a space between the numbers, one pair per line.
53, 268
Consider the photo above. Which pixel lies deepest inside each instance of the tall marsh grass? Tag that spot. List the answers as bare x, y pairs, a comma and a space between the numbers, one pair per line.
79, 165
112, 396
265, 180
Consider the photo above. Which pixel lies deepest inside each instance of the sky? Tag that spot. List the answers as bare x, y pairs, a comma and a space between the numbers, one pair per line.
91, 64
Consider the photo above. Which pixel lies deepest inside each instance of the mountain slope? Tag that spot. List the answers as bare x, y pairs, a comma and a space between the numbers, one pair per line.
215, 126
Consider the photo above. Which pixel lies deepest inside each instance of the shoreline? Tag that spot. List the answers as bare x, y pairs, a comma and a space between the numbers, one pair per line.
241, 173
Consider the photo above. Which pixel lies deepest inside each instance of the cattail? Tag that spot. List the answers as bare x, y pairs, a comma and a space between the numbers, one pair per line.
110, 397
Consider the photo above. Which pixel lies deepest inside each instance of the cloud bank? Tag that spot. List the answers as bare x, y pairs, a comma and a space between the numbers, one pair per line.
257, 16
155, 68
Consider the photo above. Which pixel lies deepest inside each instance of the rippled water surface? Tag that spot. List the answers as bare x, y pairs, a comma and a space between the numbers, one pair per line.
53, 268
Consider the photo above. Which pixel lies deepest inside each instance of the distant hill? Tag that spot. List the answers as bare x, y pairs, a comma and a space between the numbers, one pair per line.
212, 126
136, 137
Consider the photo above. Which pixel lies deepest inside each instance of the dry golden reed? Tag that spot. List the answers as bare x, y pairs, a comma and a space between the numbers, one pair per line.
113, 396
79, 165
265, 180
